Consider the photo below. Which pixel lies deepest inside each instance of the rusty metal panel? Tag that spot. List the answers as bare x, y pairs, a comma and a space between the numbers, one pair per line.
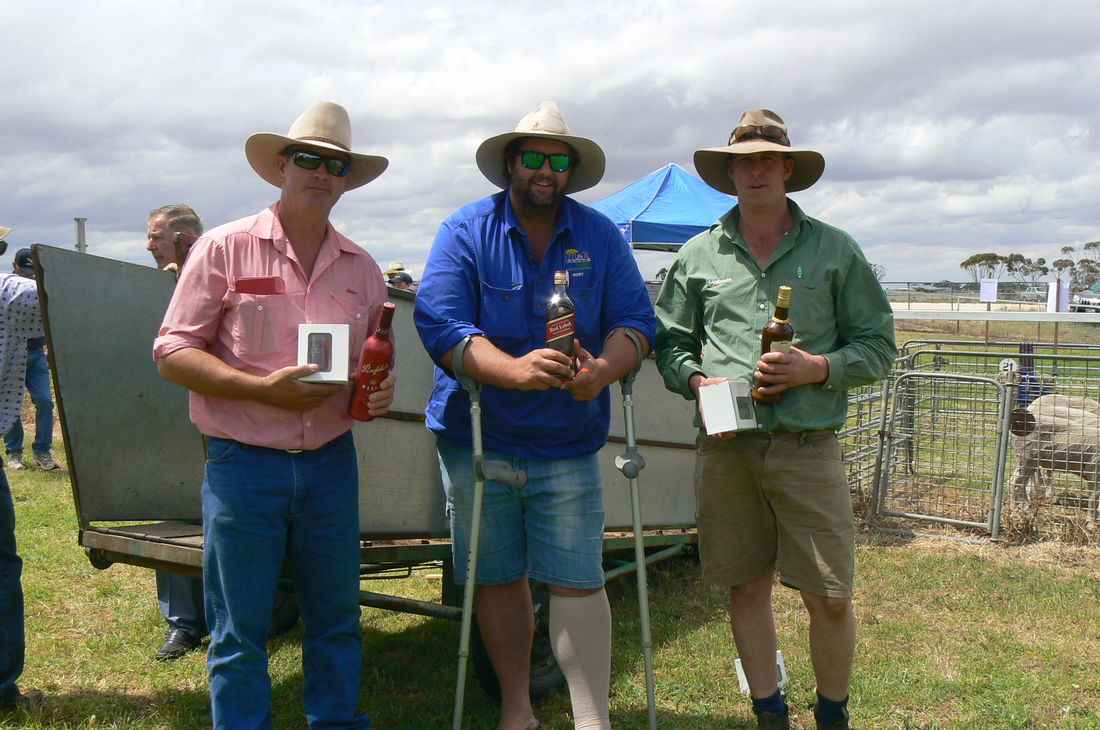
132, 451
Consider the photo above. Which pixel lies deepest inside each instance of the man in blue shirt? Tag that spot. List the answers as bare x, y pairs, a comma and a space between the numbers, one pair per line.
488, 278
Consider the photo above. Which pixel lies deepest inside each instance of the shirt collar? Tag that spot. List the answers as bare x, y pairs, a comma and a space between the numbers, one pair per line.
267, 225
732, 218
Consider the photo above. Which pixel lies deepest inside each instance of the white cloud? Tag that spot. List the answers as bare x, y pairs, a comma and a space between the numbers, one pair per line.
948, 128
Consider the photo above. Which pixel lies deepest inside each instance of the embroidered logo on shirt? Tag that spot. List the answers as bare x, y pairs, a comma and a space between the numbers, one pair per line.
719, 282
352, 291
573, 257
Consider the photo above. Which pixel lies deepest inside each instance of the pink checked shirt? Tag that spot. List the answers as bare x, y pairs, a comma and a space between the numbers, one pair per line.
258, 333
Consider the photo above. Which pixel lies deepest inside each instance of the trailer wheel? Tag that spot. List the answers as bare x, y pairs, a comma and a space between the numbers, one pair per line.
546, 675
285, 614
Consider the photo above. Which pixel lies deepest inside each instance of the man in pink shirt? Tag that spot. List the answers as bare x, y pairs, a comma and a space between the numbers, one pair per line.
281, 482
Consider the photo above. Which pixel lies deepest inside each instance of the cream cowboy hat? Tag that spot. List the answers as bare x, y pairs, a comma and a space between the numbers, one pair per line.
395, 267
4, 231
759, 130
543, 121
325, 127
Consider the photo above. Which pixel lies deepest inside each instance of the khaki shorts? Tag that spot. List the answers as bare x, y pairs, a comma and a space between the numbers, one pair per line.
775, 502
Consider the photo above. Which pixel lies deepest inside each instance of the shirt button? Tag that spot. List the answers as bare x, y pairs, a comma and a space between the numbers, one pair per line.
763, 306
763, 274
309, 423
507, 297
259, 307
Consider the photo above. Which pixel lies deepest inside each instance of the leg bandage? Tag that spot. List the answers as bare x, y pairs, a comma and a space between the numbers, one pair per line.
580, 634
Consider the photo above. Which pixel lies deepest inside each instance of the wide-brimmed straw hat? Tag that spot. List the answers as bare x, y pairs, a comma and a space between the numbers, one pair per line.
759, 130
4, 231
544, 121
324, 127
395, 267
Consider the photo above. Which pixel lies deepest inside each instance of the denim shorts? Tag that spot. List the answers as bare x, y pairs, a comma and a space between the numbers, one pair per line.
551, 529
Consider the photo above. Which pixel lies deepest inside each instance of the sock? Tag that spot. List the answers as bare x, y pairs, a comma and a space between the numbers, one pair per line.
774, 704
580, 634
829, 711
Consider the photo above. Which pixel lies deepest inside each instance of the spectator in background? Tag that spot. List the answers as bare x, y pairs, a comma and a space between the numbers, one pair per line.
180, 596
19, 321
171, 231
37, 381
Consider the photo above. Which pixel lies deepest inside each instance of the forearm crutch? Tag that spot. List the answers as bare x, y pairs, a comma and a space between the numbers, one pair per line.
630, 464
497, 471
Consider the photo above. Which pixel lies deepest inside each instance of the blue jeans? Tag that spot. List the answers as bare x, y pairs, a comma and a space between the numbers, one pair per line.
38, 383
12, 640
262, 507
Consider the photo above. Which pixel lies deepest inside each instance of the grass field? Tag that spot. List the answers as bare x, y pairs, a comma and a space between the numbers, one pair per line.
951, 636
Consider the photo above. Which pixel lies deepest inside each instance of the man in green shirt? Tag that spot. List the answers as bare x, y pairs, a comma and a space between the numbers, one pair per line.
776, 500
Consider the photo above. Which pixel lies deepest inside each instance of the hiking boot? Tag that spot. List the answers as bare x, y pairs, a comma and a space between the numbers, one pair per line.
15, 461
45, 462
771, 721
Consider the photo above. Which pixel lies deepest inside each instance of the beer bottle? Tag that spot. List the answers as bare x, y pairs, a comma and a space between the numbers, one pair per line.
374, 365
776, 337
561, 317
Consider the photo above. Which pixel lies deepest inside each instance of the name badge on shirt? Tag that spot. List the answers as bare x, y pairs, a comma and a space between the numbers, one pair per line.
258, 285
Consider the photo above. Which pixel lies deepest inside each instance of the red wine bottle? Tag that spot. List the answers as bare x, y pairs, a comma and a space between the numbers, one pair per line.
374, 365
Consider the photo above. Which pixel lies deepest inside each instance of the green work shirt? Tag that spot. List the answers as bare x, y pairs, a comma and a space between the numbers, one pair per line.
717, 299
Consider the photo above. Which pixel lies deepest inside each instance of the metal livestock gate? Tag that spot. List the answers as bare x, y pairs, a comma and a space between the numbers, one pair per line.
949, 456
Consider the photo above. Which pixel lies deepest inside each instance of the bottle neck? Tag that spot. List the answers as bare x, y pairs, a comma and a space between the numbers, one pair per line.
780, 315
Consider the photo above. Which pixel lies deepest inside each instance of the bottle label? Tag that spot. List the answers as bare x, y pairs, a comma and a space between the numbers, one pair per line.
780, 346
560, 331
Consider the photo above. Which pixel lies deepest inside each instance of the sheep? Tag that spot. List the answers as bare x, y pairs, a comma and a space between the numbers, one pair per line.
1061, 433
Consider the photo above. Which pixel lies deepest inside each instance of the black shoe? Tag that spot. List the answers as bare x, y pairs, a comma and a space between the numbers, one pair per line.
28, 700
177, 642
771, 721
839, 725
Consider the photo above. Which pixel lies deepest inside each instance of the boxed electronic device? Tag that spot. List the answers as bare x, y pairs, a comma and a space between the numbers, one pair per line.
327, 346
727, 406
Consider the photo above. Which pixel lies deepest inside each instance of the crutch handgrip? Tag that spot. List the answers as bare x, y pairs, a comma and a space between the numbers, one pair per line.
500, 471
631, 463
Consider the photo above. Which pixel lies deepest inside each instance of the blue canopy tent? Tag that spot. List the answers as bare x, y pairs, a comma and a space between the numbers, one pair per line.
665, 208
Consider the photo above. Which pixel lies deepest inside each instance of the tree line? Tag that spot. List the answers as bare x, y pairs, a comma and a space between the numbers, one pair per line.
1079, 268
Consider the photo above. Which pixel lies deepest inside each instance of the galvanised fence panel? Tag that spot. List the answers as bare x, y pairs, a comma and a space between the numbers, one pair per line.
943, 458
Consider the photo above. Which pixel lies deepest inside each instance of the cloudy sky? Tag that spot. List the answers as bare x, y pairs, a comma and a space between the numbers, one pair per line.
948, 127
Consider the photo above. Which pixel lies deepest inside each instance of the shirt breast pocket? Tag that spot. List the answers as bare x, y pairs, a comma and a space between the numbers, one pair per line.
254, 325
358, 316
502, 314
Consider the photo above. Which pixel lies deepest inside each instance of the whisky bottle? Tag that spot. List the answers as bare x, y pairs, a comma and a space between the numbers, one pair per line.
375, 362
561, 317
776, 337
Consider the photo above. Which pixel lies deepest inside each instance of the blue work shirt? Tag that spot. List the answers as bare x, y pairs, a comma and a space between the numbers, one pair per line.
482, 279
